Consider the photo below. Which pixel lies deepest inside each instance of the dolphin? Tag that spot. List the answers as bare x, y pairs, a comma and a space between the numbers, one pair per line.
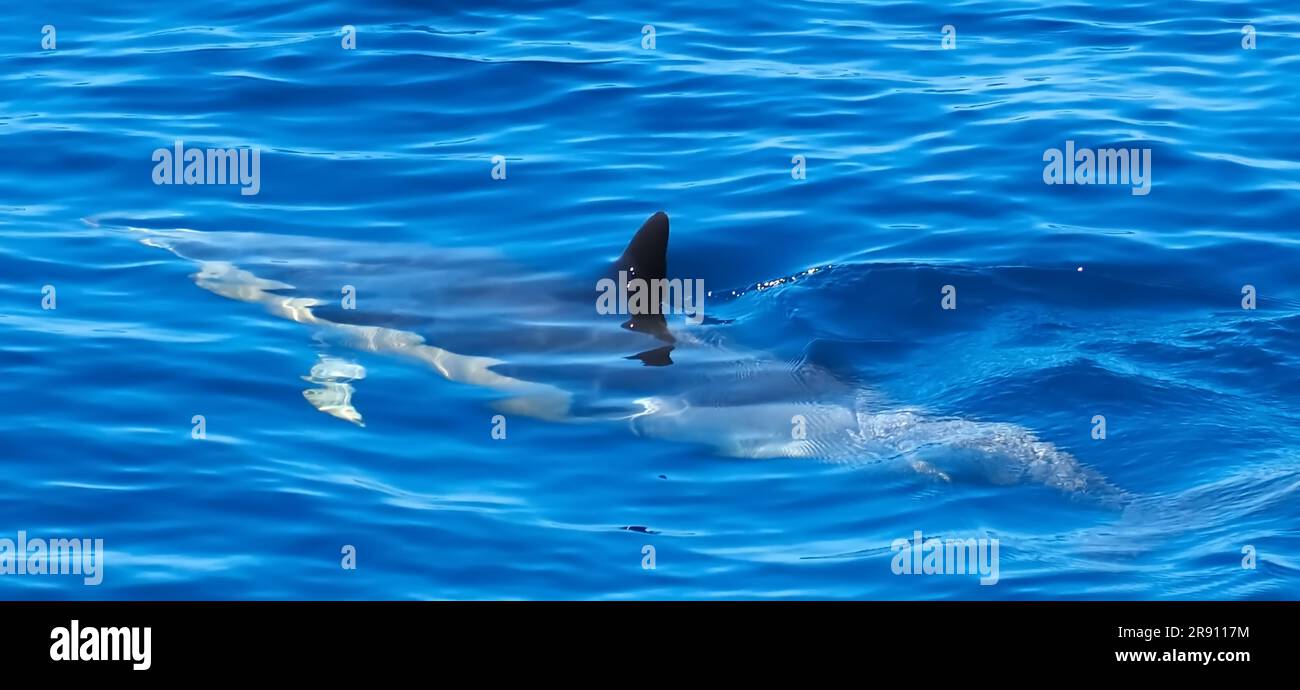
535, 339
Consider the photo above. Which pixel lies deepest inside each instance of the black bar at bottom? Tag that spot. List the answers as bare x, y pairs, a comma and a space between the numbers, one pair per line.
197, 639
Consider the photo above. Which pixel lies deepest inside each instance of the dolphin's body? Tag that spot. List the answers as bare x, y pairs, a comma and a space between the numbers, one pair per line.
537, 340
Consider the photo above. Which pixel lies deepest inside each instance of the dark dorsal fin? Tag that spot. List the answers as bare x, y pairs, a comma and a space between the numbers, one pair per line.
646, 255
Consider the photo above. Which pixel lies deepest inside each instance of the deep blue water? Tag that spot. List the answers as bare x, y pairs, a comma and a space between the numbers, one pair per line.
924, 168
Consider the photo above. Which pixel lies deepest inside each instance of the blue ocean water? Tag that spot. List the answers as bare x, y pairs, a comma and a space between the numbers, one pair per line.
923, 168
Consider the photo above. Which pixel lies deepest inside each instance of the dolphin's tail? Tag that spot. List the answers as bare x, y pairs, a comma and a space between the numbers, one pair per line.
998, 452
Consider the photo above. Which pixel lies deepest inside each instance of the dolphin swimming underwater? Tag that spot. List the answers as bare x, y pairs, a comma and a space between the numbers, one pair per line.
540, 345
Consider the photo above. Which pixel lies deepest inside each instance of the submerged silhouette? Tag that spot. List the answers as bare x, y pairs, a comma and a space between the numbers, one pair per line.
433, 307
